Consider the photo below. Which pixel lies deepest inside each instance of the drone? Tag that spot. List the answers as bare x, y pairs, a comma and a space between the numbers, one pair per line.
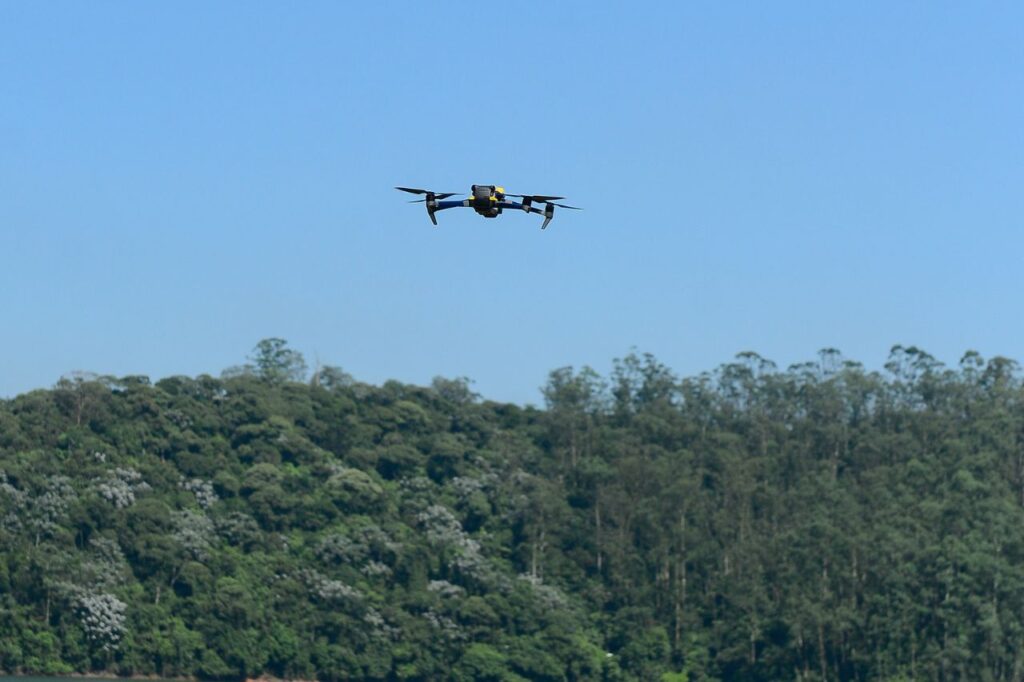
488, 201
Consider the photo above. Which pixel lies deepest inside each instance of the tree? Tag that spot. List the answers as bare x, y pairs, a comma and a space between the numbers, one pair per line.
573, 400
822, 522
275, 362
272, 361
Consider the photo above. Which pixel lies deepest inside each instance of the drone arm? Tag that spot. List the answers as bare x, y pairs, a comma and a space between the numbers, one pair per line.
522, 207
435, 206
442, 205
548, 212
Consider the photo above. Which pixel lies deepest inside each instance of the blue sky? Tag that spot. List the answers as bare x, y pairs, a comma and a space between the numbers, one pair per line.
178, 181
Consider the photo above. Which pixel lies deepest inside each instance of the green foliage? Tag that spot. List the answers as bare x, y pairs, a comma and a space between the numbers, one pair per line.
273, 362
483, 662
820, 522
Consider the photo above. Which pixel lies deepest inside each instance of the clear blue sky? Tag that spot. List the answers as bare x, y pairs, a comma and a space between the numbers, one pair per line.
180, 180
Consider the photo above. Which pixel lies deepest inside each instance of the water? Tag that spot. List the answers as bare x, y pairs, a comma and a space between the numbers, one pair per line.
80, 678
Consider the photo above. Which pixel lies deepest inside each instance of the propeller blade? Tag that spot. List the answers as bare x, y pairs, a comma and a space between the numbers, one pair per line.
437, 195
575, 208
539, 198
417, 201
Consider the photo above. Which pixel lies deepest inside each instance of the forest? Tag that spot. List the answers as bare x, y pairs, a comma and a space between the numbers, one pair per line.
819, 522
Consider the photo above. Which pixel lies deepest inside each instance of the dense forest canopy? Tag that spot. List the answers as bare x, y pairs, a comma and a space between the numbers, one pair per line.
822, 522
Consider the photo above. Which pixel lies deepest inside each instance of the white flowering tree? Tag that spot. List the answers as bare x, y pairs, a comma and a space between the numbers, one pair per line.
102, 616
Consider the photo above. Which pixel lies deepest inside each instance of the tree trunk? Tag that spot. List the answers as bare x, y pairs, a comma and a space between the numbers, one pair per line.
821, 651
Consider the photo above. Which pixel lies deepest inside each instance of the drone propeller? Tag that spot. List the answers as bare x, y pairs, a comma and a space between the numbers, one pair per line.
436, 195
430, 200
549, 211
539, 198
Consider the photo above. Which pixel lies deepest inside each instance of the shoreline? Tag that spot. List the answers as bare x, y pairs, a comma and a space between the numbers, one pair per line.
148, 678
95, 676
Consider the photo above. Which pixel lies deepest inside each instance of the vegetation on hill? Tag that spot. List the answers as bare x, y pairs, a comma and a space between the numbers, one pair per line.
822, 522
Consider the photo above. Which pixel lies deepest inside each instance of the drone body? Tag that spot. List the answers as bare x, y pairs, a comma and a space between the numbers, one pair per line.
488, 201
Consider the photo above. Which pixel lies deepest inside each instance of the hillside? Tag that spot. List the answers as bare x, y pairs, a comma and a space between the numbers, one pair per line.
746, 524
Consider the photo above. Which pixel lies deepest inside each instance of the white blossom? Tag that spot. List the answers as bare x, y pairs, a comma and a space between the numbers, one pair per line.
15, 500
375, 568
445, 589
441, 525
416, 485
465, 486
379, 627
193, 531
103, 618
44, 512
327, 589
549, 596
444, 530
445, 626
334, 590
203, 490
339, 549
105, 565
358, 545
120, 487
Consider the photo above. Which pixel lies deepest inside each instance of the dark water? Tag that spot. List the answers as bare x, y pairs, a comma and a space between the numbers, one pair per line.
37, 678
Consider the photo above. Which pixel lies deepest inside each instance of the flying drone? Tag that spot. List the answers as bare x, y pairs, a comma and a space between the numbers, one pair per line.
488, 201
